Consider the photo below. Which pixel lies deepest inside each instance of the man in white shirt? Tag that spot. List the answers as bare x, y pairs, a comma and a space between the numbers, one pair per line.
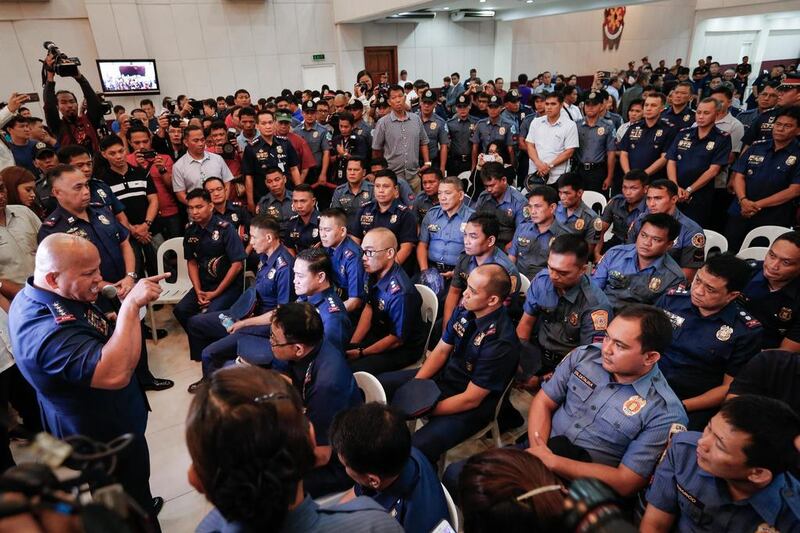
551, 140
192, 169
570, 95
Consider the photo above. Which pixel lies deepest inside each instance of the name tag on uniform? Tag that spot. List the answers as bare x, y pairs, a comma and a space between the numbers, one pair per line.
583, 378
366, 220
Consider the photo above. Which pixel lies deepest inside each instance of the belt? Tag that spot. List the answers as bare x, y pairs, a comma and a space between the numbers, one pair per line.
458, 157
591, 166
443, 267
552, 358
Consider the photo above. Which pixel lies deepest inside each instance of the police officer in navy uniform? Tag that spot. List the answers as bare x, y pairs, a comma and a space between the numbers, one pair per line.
695, 158
646, 141
81, 364
428, 197
266, 153
765, 179
441, 233
697, 487
214, 254
761, 128
360, 126
233, 212
572, 212
621, 211
318, 139
531, 244
505, 202
565, 307
642, 271
680, 113
390, 334
436, 128
278, 202
349, 276
344, 146
713, 336
460, 128
772, 296
596, 154
472, 365
303, 227
355, 192
493, 128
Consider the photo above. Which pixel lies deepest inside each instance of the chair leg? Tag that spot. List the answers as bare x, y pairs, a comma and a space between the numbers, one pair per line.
498, 438
153, 328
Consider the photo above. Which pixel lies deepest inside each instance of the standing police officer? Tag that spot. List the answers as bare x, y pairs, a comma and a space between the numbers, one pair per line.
621, 211
318, 139
596, 152
492, 129
680, 113
355, 192
530, 246
460, 128
303, 228
436, 128
646, 141
441, 233
503, 201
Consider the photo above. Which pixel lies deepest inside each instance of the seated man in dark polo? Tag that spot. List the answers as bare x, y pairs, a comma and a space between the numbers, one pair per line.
472, 364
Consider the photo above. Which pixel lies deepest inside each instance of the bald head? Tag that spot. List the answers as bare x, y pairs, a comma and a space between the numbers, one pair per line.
69, 266
380, 251
60, 251
498, 282
380, 238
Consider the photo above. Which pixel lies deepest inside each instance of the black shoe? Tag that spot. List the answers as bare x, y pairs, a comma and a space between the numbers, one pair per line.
158, 504
160, 333
158, 384
196, 385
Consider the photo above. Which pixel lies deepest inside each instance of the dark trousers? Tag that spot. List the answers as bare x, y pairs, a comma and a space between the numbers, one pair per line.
170, 226
257, 349
327, 479
133, 472
189, 307
700, 206
18, 392
387, 361
737, 227
204, 329
593, 176
145, 255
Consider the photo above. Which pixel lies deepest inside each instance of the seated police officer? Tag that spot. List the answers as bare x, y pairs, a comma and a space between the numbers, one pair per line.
531, 243
712, 336
233, 212
773, 294
82, 365
564, 306
688, 249
441, 234
572, 212
390, 333
407, 195
374, 444
472, 364
771, 373
214, 255
621, 211
303, 227
734, 476
320, 374
277, 203
357, 191
607, 411
642, 271
214, 342
428, 197
504, 202
349, 277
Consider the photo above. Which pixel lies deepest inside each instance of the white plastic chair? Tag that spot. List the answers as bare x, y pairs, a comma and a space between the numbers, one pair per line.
329, 500
467, 182
715, 240
592, 198
451, 509
371, 387
768, 232
429, 312
171, 292
524, 284
754, 252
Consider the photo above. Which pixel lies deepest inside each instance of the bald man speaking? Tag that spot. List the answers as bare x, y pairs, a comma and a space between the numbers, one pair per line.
81, 365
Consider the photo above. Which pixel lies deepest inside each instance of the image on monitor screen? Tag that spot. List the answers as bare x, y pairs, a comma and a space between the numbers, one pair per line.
128, 76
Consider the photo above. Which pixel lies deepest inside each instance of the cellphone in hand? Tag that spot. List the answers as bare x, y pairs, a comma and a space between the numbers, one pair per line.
32, 97
149, 154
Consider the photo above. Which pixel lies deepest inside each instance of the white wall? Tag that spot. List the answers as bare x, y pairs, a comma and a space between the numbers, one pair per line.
573, 43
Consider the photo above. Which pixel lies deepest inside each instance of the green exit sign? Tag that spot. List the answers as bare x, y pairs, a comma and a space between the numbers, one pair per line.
318, 57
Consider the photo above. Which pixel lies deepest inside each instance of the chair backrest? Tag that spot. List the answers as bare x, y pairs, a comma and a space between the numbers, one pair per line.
593, 199
524, 283
715, 240
754, 252
452, 509
430, 307
182, 278
371, 387
466, 182
768, 232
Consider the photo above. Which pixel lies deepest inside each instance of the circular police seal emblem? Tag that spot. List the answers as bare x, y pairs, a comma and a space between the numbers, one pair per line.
472, 127
314, 233
601, 131
365, 195
392, 219
710, 145
580, 224
102, 194
271, 273
785, 314
698, 240
501, 131
273, 211
655, 284
279, 149
433, 126
315, 134
234, 217
526, 211
633, 405
103, 219
791, 160
686, 118
215, 235
598, 224
573, 319
724, 333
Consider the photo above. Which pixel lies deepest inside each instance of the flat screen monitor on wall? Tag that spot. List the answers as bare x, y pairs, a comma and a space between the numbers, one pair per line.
128, 76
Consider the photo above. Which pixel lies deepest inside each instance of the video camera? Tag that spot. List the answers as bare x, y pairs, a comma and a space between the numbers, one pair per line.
230, 147
64, 66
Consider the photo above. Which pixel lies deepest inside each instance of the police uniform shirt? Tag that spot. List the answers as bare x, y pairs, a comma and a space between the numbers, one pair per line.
415, 499
335, 321
778, 311
705, 348
326, 386
511, 211
485, 352
767, 171
422, 204
594, 142
617, 423
274, 279
761, 127
348, 270
280, 210
579, 316
681, 120
102, 230
18, 243
398, 219
444, 234
350, 203
302, 236
619, 276
436, 128
239, 217
395, 306
214, 248
355, 145
693, 155
582, 221
460, 132
102, 194
318, 139
467, 263
618, 215
363, 129
407, 195
701, 502
644, 144
487, 131
531, 247
57, 343
688, 250
261, 155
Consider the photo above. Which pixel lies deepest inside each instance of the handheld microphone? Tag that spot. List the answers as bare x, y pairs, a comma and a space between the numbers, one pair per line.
109, 291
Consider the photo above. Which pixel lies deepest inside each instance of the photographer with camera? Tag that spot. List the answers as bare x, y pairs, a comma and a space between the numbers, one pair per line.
61, 111
222, 141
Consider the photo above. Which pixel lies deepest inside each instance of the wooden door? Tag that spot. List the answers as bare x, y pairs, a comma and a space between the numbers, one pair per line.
379, 59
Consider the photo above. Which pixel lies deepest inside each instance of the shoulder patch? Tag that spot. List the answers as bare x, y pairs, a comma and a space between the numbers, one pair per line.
394, 286
699, 240
348, 254
679, 290
60, 314
280, 262
600, 319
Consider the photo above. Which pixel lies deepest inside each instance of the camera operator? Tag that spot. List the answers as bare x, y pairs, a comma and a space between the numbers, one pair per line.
220, 142
69, 125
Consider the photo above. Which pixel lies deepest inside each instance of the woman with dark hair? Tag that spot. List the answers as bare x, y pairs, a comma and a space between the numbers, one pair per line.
251, 445
21, 188
510, 490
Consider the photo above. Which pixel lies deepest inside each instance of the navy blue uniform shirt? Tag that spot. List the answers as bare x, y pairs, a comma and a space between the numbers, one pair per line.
398, 219
348, 270
767, 171
693, 155
261, 155
778, 311
335, 320
644, 144
302, 236
214, 248
395, 306
274, 284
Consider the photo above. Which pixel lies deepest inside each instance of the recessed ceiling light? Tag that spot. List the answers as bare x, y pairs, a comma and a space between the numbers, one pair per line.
528, 1
482, 1
447, 9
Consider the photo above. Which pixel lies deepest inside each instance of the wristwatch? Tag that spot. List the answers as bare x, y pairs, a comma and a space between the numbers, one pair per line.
689, 189
132, 275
